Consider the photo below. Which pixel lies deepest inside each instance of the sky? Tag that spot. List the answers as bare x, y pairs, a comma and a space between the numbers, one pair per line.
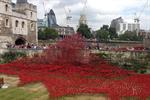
98, 12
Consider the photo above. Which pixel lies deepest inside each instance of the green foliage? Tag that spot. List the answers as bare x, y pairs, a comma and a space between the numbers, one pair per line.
106, 33
41, 35
136, 65
112, 32
51, 33
47, 33
104, 55
139, 64
84, 30
102, 35
130, 36
10, 56
105, 27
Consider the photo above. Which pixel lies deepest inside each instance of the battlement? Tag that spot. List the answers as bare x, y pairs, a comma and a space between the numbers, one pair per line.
32, 7
26, 6
6, 1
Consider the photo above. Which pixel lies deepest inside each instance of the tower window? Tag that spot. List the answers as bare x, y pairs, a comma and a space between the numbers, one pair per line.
6, 22
32, 26
6, 7
23, 24
17, 23
31, 14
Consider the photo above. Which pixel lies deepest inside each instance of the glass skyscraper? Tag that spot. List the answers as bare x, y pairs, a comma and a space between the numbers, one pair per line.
51, 19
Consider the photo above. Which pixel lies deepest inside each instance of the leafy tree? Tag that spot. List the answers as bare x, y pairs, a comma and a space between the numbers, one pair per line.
105, 33
50, 33
130, 36
84, 30
105, 27
47, 33
102, 35
41, 35
113, 33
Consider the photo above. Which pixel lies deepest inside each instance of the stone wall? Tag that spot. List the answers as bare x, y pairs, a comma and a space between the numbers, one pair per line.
29, 52
147, 43
22, 13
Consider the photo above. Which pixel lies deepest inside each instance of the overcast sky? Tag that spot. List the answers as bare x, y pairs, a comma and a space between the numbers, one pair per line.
98, 12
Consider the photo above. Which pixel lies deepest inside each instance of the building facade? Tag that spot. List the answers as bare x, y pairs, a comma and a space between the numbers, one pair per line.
121, 26
83, 19
50, 21
18, 22
64, 31
147, 40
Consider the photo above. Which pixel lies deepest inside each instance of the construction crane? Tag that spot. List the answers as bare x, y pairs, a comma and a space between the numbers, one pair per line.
83, 18
137, 17
68, 16
45, 14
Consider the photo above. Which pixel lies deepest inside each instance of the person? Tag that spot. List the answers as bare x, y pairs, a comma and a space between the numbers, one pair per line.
1, 82
28, 45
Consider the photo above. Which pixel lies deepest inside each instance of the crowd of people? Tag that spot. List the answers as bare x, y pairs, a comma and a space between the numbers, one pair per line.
27, 46
88, 46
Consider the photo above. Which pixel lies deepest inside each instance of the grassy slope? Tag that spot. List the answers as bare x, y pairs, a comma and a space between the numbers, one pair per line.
39, 92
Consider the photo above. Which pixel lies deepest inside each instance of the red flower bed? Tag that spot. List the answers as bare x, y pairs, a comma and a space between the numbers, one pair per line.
61, 75
67, 80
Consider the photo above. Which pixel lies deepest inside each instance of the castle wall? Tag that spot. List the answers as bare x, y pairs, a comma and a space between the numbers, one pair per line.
22, 24
20, 21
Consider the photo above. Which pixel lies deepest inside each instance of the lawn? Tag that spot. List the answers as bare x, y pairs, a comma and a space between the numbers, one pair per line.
36, 91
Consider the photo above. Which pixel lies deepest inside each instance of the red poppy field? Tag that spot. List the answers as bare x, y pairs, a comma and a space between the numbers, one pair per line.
65, 69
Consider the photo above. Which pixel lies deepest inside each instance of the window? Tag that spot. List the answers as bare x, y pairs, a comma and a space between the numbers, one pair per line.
32, 26
31, 14
6, 7
23, 24
7, 22
17, 23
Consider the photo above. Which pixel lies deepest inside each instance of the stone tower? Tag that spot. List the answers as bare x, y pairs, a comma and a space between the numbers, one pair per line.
83, 19
18, 22
30, 11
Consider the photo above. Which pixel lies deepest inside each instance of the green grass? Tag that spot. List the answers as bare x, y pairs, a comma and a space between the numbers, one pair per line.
20, 94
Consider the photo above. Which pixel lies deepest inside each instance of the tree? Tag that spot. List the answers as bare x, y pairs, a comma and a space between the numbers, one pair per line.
84, 30
130, 36
102, 35
106, 33
47, 33
41, 35
113, 33
50, 33
105, 27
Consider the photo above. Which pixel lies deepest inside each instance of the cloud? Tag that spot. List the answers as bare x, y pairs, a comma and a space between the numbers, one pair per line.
98, 12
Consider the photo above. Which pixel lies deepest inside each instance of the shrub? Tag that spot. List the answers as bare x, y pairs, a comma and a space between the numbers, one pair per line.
10, 56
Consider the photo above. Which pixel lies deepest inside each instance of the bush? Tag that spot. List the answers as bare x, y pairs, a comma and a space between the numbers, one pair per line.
11, 56
104, 55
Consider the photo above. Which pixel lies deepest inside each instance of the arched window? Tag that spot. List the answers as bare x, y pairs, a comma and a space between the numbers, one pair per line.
32, 26
23, 24
7, 22
17, 23
6, 7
